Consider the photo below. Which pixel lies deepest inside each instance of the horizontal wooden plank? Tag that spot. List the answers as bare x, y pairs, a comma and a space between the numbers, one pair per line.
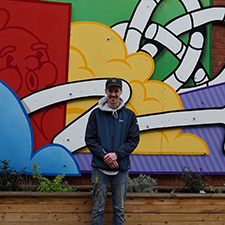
49, 223
68, 208
42, 217
41, 200
174, 201
20, 208
140, 210
132, 217
45, 200
107, 223
129, 195
171, 217
169, 223
175, 209
45, 194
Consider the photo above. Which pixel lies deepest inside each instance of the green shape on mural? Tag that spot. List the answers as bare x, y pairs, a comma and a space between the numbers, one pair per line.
165, 62
107, 12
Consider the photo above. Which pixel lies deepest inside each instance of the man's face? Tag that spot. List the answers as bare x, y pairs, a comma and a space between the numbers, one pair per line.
113, 93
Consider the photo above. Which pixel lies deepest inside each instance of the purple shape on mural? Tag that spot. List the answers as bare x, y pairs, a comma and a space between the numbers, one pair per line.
214, 163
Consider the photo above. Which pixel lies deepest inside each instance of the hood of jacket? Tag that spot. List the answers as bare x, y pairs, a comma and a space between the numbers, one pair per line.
102, 104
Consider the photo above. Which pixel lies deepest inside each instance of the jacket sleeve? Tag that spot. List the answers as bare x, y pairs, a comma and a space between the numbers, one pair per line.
132, 140
91, 139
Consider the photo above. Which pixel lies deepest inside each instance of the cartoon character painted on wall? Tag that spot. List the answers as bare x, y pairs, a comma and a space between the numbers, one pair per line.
26, 67
99, 52
25, 60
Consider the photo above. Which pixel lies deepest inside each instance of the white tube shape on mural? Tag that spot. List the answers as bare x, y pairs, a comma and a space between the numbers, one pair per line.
120, 29
138, 23
208, 15
164, 37
180, 25
188, 64
195, 19
66, 92
219, 79
150, 49
184, 23
181, 118
133, 40
191, 5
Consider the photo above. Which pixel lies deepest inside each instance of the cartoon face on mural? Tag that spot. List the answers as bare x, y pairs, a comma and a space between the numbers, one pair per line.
178, 111
24, 60
25, 67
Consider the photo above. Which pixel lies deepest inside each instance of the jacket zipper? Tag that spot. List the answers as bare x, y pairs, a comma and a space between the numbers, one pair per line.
113, 134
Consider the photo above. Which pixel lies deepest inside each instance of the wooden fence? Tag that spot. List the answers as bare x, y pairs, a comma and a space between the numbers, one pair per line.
31, 208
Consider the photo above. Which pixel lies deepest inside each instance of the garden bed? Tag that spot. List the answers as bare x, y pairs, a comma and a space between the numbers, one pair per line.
35, 208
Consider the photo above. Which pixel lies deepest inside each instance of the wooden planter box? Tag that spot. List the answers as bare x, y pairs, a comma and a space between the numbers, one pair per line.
32, 208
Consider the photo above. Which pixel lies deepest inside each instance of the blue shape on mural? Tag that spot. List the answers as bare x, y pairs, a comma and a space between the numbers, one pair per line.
16, 141
55, 157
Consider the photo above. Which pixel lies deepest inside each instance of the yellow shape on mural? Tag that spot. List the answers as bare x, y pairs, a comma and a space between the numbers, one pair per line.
97, 51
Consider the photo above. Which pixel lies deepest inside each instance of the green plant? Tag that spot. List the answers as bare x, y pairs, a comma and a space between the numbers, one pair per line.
143, 183
215, 190
47, 185
193, 182
10, 180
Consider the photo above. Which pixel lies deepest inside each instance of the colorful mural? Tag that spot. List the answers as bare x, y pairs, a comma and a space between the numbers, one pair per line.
53, 77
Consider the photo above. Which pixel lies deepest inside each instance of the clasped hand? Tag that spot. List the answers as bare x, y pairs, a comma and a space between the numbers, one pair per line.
110, 160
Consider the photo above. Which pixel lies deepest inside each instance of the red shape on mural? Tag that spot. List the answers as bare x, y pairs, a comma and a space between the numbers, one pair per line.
34, 52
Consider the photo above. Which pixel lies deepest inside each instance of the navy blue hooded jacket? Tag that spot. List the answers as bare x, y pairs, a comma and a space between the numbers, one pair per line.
111, 130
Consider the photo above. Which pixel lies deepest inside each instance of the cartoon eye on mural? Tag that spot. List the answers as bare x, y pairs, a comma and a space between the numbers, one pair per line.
165, 67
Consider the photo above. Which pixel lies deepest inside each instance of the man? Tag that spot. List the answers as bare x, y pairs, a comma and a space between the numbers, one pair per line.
112, 134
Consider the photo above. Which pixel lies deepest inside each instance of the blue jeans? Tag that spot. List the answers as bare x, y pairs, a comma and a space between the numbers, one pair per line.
100, 183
